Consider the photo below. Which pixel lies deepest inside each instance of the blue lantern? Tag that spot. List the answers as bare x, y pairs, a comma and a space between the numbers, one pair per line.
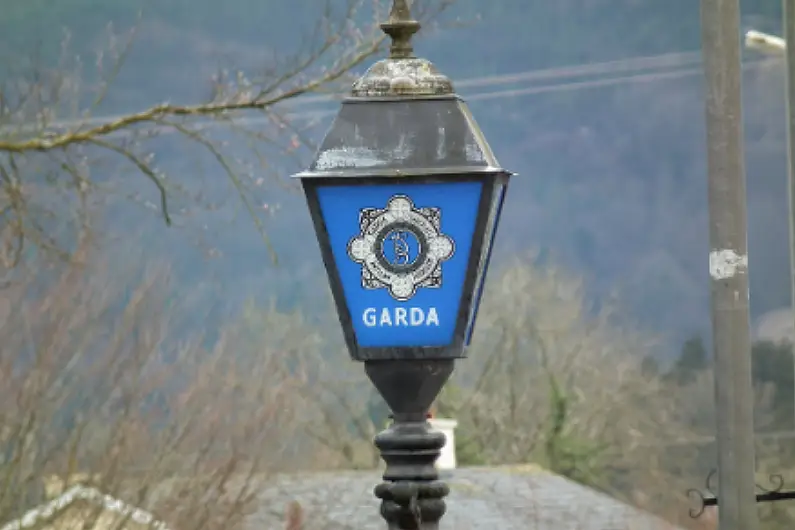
405, 195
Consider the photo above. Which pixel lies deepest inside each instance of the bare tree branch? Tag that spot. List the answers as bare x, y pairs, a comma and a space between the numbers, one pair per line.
29, 124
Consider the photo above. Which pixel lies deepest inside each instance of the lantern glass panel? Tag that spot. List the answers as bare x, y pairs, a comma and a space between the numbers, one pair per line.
495, 211
401, 251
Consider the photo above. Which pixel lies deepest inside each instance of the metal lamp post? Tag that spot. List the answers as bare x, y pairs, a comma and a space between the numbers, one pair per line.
405, 195
776, 45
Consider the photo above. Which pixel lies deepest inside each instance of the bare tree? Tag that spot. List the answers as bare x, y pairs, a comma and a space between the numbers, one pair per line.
47, 137
556, 381
97, 395
336, 426
548, 379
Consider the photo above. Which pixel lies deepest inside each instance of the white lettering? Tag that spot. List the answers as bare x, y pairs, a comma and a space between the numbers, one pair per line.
432, 318
386, 318
417, 316
369, 317
401, 317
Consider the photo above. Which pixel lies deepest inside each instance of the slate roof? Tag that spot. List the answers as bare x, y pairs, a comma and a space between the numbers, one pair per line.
508, 498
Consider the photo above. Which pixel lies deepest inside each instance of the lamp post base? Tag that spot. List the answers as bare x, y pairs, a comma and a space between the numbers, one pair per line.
411, 494
412, 497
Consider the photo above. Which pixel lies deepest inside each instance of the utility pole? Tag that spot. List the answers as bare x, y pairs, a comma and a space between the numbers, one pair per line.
728, 264
788, 10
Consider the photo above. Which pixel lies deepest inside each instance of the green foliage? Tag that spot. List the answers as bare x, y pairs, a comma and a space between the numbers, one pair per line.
772, 371
691, 361
650, 367
567, 454
772, 363
773, 367
563, 452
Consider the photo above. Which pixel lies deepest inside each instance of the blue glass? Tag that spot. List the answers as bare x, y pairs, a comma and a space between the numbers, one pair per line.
492, 225
402, 252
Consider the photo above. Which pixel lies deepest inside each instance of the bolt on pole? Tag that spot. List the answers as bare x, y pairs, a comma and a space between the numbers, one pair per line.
728, 263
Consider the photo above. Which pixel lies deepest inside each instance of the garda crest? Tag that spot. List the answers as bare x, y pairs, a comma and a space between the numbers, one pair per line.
400, 247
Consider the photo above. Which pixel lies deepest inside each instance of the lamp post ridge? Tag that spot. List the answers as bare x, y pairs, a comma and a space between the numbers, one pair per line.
405, 196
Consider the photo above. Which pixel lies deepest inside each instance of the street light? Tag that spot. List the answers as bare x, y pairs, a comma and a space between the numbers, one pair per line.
776, 45
405, 196
764, 42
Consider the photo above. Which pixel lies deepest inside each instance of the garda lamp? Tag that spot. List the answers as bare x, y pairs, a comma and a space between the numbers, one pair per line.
405, 197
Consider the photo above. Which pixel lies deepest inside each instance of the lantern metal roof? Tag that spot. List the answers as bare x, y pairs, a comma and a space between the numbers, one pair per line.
402, 118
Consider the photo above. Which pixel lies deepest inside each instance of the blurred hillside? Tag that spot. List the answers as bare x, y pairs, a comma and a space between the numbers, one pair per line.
611, 165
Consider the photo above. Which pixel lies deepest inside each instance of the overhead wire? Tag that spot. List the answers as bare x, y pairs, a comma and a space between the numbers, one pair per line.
594, 83
556, 87
634, 70
559, 72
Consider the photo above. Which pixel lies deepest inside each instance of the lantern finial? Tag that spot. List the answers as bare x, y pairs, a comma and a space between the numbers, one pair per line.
401, 28
402, 74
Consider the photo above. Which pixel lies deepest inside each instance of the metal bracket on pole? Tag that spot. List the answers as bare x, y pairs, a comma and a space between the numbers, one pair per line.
775, 494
